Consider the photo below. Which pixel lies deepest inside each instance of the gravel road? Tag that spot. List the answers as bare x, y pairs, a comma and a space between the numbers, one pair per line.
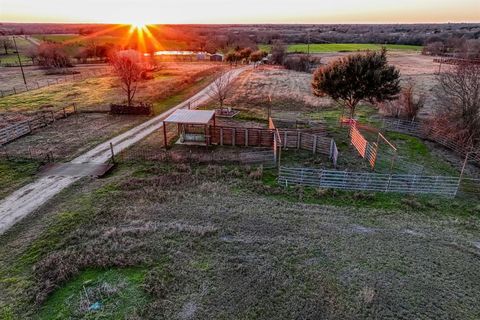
30, 197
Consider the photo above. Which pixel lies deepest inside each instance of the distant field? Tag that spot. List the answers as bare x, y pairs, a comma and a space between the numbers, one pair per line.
99, 92
11, 57
76, 39
338, 47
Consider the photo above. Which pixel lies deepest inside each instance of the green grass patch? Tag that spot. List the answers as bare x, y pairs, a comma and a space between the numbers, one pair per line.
415, 151
15, 173
423, 204
64, 223
117, 292
13, 59
344, 47
331, 116
165, 104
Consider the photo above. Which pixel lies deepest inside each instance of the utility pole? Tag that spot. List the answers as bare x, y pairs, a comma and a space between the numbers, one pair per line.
20, 62
308, 43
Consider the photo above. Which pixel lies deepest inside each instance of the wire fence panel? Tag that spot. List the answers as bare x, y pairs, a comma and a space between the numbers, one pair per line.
421, 130
48, 82
366, 181
358, 141
413, 128
263, 157
17, 130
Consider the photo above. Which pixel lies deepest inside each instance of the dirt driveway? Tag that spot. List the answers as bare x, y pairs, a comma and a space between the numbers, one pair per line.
32, 196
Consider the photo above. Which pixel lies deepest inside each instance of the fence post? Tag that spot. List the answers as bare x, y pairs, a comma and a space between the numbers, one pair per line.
299, 136
285, 141
112, 153
331, 149
246, 137
6, 153
413, 184
314, 143
221, 136
234, 133
14, 90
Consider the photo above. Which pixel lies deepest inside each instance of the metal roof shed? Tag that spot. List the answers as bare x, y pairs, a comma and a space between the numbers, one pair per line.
188, 118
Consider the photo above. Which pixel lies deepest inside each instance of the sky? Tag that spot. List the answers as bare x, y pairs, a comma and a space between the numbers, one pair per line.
241, 11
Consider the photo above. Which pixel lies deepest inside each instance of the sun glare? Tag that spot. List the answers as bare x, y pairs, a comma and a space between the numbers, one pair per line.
138, 25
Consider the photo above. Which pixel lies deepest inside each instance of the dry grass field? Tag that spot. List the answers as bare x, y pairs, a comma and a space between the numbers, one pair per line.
176, 241
98, 92
12, 77
183, 240
70, 137
291, 91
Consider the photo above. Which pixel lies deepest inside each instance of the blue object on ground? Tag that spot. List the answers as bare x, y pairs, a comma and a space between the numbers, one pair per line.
96, 306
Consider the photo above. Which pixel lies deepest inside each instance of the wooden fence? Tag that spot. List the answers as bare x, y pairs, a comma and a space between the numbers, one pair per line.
17, 130
297, 139
237, 136
373, 182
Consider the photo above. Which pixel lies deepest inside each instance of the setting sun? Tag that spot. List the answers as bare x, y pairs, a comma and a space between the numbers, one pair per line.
138, 25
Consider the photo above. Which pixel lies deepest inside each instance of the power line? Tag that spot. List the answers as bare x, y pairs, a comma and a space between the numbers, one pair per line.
20, 62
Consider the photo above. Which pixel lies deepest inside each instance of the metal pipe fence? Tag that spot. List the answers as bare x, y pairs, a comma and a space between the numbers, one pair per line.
366, 181
421, 130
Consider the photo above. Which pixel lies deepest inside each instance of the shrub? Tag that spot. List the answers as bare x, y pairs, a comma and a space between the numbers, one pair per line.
301, 63
407, 105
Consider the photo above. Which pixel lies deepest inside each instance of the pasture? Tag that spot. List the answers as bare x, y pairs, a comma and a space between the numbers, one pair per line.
97, 93
172, 237
77, 40
344, 47
183, 241
11, 57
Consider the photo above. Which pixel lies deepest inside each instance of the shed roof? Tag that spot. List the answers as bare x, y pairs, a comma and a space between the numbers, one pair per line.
191, 116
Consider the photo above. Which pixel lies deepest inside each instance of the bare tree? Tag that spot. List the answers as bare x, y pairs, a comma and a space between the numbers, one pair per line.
257, 56
221, 88
279, 52
407, 105
53, 55
129, 73
32, 53
6, 43
458, 97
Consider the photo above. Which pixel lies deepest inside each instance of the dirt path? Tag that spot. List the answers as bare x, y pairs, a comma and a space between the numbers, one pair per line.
32, 40
30, 197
